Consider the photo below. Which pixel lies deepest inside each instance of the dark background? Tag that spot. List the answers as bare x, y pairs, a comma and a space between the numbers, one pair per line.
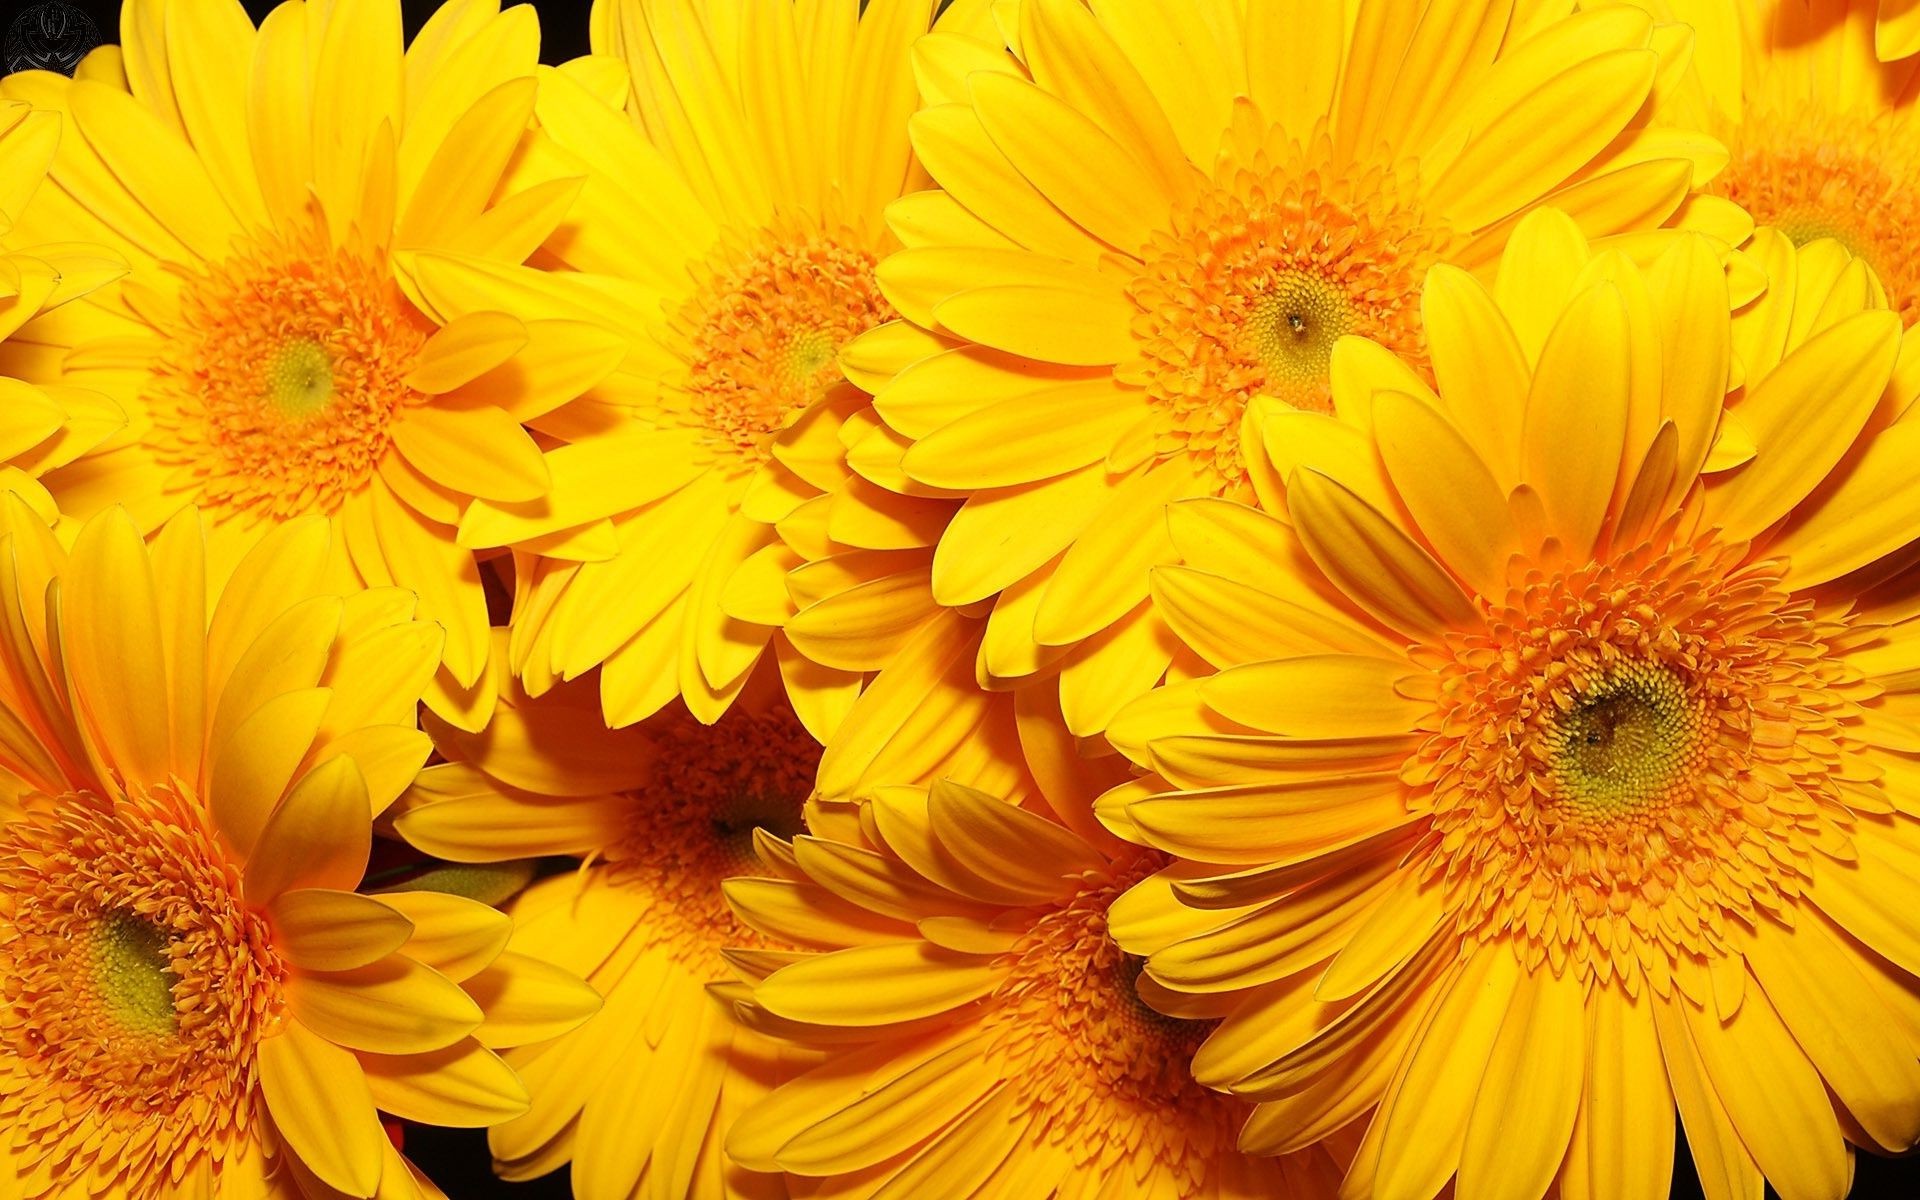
457, 1159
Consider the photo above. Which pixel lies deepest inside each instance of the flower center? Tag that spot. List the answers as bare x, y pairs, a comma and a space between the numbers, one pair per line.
763, 337
134, 974
1104, 1069
693, 825
134, 985
1629, 753
279, 378
1293, 328
1818, 175
1245, 294
300, 381
1631, 741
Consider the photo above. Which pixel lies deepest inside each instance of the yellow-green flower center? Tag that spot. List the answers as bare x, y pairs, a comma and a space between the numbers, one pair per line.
1631, 737
135, 975
300, 379
1292, 328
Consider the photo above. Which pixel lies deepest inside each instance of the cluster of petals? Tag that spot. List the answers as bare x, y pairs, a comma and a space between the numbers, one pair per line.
1007, 599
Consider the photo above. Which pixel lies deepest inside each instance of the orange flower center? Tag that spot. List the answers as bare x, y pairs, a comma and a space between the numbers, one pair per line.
134, 985
1103, 1068
764, 337
1632, 752
1245, 294
1816, 175
693, 825
278, 381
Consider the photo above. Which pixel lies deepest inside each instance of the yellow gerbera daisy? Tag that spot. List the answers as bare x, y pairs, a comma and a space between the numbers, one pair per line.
1151, 214
729, 230
193, 999
1548, 769
269, 344
1821, 135
40, 427
981, 1032
638, 1098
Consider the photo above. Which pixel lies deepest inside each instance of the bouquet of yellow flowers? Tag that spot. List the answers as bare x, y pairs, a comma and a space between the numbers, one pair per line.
1002, 599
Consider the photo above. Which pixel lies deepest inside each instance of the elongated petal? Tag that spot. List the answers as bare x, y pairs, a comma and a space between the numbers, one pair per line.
1377, 565
323, 930
322, 1107
319, 836
876, 985
1803, 417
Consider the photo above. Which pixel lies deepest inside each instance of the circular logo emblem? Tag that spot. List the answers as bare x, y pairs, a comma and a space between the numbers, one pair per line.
50, 37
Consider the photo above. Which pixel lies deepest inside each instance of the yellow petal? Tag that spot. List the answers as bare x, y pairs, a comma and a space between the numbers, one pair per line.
1099, 184
1026, 855
876, 985
1804, 415
1288, 820
955, 149
321, 1106
1538, 1067
1072, 56
1190, 57
464, 349
393, 1006
252, 769
455, 936
1104, 572
112, 648
1069, 326
1452, 495
1377, 565
1427, 1108
1307, 35
1628, 1120
1478, 363
1829, 1006
325, 930
1524, 153
318, 837
477, 451
1579, 398
462, 1086
1773, 1097
157, 168
526, 1001
1037, 435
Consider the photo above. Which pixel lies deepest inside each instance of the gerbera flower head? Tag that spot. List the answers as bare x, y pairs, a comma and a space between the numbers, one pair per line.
637, 1098
729, 231
193, 997
1819, 132
43, 427
269, 345
1555, 758
1145, 222
981, 1032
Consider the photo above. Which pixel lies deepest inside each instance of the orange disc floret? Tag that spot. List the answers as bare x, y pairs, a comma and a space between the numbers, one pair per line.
1840, 175
1289, 250
692, 823
279, 380
1098, 1067
764, 336
1630, 753
134, 982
